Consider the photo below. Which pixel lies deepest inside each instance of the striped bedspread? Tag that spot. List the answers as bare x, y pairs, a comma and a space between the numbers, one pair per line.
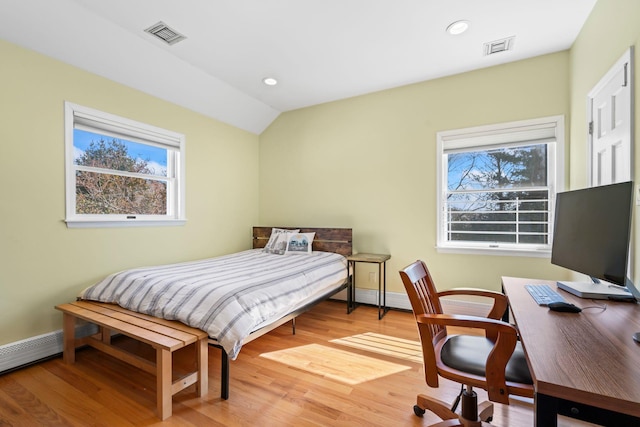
228, 296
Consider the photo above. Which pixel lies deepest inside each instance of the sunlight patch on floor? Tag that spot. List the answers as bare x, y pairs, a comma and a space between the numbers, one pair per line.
384, 344
335, 364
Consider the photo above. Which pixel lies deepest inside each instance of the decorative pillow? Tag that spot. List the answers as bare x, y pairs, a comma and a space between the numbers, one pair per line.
277, 243
299, 243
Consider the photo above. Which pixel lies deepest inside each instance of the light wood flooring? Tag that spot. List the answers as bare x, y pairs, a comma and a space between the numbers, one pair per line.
337, 370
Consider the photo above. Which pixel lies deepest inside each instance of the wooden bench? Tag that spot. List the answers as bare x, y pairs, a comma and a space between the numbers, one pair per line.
165, 336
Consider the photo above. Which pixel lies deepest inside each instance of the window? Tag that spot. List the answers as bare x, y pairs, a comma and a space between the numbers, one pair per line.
120, 172
497, 185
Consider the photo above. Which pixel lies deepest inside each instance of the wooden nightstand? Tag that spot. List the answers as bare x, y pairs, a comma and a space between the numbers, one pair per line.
381, 260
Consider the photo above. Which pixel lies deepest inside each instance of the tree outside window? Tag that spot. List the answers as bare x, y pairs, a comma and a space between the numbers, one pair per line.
496, 196
107, 191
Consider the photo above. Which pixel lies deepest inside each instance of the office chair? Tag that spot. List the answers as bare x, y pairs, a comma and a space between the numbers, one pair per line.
494, 362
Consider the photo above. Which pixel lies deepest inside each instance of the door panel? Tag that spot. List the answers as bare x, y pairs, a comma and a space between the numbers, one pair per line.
611, 126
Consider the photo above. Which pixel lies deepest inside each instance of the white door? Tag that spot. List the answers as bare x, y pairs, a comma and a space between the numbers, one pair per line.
611, 124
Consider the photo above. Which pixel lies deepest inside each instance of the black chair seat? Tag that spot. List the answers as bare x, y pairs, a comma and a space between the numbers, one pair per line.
469, 354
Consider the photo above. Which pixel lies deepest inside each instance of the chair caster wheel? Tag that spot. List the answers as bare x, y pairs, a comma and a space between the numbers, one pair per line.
489, 420
418, 411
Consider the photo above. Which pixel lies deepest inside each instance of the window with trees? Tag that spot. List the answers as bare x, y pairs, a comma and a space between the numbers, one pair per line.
497, 186
120, 172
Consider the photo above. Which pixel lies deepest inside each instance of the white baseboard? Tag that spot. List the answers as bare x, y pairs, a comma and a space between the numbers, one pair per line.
370, 297
401, 301
24, 352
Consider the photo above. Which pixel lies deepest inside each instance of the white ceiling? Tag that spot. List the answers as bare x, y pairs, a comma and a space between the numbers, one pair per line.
319, 50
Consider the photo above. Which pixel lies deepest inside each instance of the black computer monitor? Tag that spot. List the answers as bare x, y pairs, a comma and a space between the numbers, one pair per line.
592, 231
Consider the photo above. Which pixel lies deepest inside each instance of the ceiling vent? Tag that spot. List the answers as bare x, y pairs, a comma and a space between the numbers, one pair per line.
165, 33
498, 46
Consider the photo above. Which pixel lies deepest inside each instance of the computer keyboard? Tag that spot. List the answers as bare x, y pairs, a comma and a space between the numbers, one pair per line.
543, 294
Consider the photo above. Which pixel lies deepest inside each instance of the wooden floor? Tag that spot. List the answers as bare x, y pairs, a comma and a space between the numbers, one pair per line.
337, 370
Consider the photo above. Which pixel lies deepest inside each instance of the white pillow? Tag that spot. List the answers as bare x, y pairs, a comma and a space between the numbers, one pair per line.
277, 243
299, 243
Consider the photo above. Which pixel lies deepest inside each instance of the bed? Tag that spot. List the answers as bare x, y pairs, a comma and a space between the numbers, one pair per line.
238, 297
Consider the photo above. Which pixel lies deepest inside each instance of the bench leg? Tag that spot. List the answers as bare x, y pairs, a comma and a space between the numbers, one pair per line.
164, 380
105, 334
69, 338
202, 386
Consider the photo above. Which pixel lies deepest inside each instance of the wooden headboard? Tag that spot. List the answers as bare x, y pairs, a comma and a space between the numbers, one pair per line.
338, 240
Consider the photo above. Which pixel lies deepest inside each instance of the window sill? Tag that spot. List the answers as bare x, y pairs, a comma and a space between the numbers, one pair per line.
499, 251
79, 223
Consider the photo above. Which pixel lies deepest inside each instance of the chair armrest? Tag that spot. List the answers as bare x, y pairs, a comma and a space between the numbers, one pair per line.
503, 347
500, 301
489, 325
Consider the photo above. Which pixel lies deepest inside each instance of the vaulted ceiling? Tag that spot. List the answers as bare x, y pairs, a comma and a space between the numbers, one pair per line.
318, 50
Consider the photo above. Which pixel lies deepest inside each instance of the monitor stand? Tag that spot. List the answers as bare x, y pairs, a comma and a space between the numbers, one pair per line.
592, 290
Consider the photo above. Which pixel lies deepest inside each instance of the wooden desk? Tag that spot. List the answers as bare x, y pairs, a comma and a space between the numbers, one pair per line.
584, 365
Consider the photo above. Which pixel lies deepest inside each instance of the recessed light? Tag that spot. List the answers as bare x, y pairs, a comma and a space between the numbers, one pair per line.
269, 81
458, 27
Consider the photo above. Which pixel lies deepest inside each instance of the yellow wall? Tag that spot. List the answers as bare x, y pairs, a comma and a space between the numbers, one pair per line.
369, 163
612, 27
42, 262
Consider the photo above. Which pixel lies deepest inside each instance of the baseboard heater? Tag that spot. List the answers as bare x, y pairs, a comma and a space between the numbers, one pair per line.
25, 352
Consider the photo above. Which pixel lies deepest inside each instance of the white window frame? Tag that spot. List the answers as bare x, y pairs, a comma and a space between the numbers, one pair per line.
547, 129
80, 117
